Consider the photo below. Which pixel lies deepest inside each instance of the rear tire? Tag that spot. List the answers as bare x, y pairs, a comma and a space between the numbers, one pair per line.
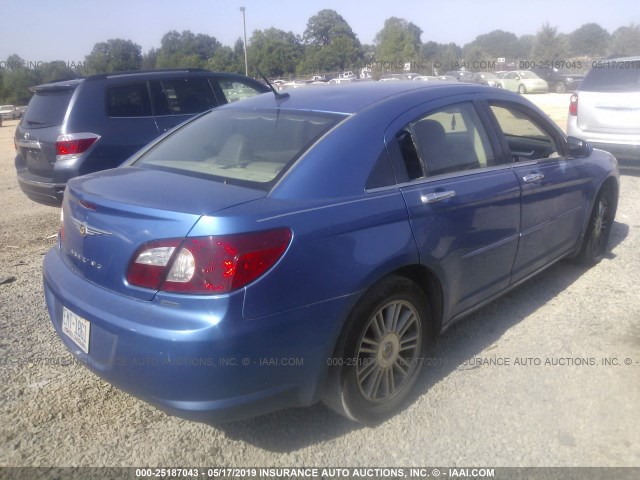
596, 239
381, 351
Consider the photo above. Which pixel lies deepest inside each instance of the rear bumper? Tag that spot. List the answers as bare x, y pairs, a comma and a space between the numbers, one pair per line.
624, 146
42, 192
208, 366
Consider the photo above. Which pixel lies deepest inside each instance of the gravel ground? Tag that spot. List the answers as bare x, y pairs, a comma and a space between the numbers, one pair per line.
464, 412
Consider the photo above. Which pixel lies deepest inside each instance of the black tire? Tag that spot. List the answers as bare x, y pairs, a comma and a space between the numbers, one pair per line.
596, 239
380, 352
560, 88
522, 89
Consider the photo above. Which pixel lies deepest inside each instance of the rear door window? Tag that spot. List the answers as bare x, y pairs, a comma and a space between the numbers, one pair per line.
47, 108
182, 96
128, 100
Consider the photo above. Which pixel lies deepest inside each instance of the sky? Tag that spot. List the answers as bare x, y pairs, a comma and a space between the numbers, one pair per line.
46, 30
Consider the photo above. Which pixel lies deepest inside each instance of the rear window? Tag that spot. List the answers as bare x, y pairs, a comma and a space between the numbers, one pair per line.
609, 79
239, 146
47, 108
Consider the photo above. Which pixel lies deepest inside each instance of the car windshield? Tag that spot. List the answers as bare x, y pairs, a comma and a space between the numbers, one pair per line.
239, 146
612, 80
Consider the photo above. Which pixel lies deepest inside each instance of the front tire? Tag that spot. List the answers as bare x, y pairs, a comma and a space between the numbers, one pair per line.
596, 239
522, 89
381, 352
560, 88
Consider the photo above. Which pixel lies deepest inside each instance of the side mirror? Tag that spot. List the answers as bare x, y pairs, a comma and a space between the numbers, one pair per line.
578, 148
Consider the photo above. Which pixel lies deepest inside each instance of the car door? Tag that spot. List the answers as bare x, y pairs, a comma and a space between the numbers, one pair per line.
553, 204
509, 81
463, 204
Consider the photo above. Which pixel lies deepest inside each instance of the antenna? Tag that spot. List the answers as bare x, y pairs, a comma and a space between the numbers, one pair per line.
279, 96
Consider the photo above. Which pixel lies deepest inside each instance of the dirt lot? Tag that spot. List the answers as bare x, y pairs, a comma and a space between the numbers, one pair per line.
565, 394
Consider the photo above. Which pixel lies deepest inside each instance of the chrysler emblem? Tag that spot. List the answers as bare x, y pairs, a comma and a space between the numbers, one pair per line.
85, 230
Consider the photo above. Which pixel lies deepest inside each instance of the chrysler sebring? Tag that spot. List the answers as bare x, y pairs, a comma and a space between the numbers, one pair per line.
311, 246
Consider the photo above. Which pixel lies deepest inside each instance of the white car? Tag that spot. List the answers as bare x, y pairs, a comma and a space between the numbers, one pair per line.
523, 81
9, 112
605, 110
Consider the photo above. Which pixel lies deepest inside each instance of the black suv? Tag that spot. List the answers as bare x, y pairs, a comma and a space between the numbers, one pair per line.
84, 125
560, 80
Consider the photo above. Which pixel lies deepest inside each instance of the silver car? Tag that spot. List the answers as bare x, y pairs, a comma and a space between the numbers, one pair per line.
605, 110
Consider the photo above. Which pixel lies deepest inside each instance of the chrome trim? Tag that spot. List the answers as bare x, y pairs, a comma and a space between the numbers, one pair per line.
29, 144
437, 196
533, 177
86, 230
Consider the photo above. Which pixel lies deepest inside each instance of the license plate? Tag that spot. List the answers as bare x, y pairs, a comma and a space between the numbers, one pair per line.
76, 328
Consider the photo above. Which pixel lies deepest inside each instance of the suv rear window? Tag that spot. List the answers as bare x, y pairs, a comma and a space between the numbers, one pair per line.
610, 79
47, 108
239, 146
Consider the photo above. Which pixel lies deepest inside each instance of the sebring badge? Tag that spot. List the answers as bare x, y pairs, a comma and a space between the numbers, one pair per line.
86, 230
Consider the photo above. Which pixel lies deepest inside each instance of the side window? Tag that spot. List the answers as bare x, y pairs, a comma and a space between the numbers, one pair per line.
382, 174
128, 101
452, 139
182, 96
526, 139
235, 90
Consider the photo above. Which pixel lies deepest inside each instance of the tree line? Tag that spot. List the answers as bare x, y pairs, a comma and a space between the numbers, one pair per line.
328, 44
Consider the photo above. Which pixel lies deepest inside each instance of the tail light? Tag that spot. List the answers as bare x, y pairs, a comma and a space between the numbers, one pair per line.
207, 265
73, 145
573, 105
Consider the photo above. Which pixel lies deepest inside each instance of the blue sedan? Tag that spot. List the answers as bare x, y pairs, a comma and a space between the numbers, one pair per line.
290, 249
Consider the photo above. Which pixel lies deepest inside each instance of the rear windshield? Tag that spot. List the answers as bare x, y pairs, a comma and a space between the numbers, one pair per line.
47, 108
240, 146
612, 80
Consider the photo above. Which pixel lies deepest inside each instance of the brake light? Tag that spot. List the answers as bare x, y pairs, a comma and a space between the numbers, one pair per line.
573, 105
207, 265
72, 145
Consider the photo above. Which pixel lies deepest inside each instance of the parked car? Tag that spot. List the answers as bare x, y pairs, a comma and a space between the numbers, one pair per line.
560, 80
399, 76
21, 109
460, 75
9, 112
523, 81
605, 110
348, 75
485, 78
277, 252
80, 126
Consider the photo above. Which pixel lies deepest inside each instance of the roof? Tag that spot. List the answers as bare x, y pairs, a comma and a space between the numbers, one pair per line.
352, 98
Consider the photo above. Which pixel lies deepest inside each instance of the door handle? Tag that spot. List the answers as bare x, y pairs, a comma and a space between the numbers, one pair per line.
533, 177
437, 196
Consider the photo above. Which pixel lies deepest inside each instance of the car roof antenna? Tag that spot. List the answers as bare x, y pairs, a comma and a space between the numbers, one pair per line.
279, 96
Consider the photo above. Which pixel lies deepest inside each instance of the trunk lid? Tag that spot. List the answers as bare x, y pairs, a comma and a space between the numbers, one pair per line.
609, 112
107, 217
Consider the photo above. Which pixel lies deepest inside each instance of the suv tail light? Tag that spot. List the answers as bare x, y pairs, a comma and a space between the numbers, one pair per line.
573, 105
207, 265
73, 145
